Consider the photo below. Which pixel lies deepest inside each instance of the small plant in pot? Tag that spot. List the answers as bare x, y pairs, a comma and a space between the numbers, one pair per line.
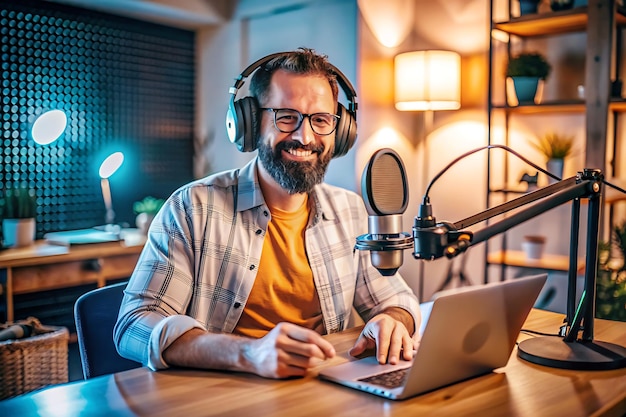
611, 277
526, 70
146, 209
555, 147
18, 210
528, 6
558, 5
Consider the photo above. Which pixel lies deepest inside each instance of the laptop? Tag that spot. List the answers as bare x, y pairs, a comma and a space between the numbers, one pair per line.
465, 333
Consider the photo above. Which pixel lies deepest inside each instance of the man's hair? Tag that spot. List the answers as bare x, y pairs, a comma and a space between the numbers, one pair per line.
304, 61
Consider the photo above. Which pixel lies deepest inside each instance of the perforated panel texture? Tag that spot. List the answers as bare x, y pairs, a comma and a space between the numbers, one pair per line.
124, 84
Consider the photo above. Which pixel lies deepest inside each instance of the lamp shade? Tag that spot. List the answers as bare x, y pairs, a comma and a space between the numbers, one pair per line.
111, 164
427, 80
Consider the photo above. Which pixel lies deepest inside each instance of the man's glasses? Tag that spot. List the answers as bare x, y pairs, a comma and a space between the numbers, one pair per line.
289, 120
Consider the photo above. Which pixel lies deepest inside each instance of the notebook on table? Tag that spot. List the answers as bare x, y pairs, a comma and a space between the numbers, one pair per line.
465, 333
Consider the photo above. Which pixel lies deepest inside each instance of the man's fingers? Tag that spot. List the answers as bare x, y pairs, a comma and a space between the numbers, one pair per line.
359, 346
306, 342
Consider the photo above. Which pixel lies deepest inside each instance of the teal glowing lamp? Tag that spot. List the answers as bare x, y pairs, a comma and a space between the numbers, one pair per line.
108, 167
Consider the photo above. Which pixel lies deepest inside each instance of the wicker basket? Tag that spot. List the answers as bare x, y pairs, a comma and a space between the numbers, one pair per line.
33, 362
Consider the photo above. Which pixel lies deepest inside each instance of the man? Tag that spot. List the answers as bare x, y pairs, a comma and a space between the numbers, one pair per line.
245, 270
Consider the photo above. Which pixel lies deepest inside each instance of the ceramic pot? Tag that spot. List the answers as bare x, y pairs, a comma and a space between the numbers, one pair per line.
143, 221
528, 6
555, 166
533, 246
525, 89
18, 232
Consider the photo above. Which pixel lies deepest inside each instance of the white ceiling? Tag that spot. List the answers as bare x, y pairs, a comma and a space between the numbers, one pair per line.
187, 14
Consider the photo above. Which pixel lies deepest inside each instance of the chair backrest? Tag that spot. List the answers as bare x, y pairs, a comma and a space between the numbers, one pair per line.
95, 314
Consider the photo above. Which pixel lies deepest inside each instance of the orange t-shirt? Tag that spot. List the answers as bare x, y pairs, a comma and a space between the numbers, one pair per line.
284, 290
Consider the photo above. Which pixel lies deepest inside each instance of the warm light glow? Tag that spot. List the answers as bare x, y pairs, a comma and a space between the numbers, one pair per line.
49, 127
500, 35
428, 80
390, 21
111, 164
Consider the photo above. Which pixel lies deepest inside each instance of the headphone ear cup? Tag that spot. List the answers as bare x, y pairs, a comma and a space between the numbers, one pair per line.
246, 125
345, 134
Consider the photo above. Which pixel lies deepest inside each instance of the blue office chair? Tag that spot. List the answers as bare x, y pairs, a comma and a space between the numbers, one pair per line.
95, 314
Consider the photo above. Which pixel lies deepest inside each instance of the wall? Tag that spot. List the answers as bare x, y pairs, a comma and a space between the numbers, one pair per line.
124, 84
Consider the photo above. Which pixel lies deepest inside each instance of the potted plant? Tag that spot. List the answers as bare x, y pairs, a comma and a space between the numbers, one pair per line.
146, 209
526, 70
611, 276
528, 6
18, 209
555, 147
558, 5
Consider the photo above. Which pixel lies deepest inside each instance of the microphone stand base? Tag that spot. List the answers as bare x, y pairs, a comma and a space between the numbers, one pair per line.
578, 355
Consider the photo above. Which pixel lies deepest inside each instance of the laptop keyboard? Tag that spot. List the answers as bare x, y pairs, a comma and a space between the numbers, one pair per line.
391, 379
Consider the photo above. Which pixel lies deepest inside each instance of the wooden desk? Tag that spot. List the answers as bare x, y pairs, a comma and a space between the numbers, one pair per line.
43, 267
519, 389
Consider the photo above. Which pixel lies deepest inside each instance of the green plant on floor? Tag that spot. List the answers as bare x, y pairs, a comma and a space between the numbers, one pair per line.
18, 203
611, 278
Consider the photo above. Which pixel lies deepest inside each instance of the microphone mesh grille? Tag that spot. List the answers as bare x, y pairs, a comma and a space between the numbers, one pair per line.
387, 185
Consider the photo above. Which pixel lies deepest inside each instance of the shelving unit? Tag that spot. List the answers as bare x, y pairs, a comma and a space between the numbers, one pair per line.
601, 22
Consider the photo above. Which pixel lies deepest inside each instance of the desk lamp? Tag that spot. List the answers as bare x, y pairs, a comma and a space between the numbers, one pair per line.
108, 167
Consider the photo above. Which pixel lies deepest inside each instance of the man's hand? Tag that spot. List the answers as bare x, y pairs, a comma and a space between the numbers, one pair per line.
387, 333
287, 350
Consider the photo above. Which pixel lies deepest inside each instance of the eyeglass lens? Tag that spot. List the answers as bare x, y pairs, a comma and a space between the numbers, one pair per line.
288, 121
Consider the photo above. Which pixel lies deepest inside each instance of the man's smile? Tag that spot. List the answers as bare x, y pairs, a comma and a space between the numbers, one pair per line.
299, 153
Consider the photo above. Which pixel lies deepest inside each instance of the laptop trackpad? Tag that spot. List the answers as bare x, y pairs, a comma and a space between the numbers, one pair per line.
362, 368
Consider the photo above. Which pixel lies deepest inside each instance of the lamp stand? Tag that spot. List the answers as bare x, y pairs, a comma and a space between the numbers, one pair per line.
108, 202
427, 127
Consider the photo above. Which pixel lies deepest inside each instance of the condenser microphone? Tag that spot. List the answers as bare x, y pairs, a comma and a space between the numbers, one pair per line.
385, 192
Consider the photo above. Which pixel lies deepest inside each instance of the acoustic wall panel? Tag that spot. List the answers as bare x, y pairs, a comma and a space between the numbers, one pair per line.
124, 85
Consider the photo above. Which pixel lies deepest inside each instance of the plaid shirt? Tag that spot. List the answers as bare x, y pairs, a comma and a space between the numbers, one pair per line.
200, 261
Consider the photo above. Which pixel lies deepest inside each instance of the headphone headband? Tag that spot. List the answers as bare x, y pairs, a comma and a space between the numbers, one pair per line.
342, 80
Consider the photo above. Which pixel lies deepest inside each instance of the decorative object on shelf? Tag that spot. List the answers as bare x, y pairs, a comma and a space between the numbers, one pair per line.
611, 279
526, 70
18, 209
533, 245
616, 88
528, 6
557, 5
530, 180
146, 209
555, 147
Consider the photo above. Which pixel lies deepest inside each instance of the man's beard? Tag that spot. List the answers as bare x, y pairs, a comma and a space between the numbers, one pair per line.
294, 176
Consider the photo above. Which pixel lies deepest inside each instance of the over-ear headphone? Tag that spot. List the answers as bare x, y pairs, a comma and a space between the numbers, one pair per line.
243, 119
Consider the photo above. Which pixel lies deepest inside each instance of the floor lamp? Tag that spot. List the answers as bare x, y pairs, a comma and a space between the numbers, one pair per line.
427, 81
